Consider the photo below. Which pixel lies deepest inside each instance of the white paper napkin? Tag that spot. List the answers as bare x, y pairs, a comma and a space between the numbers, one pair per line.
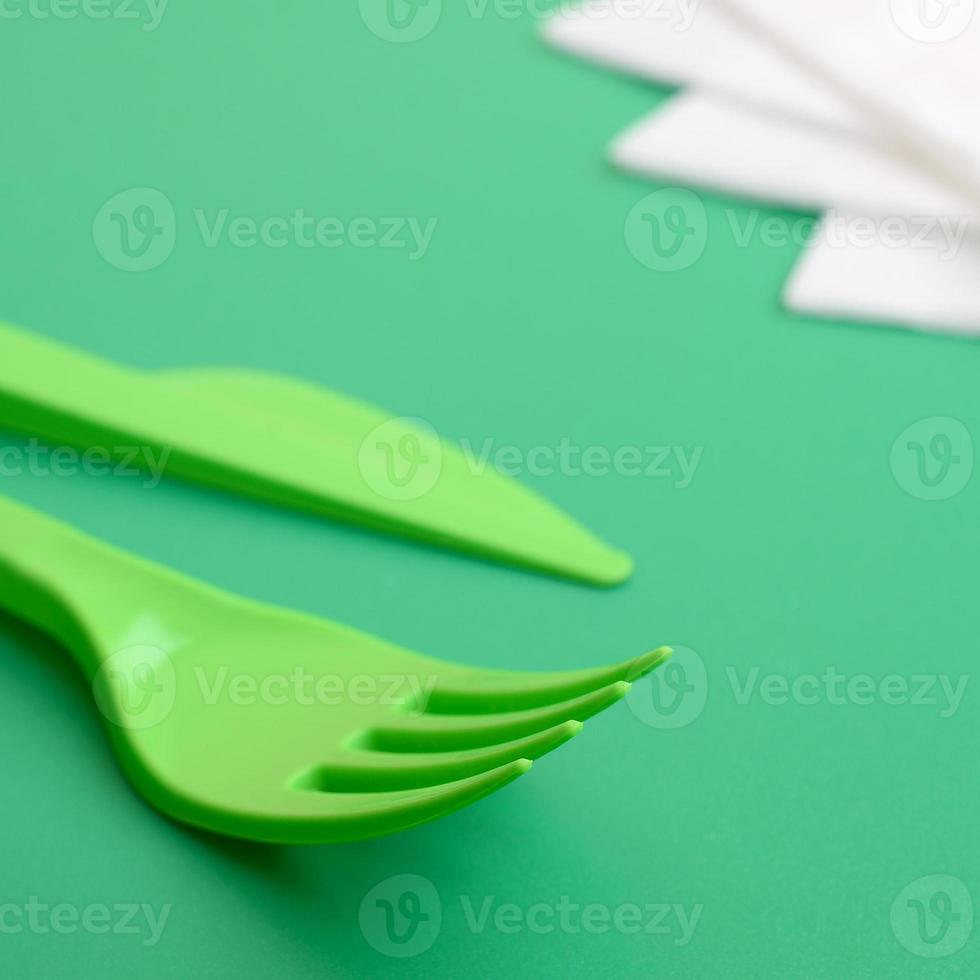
721, 56
717, 142
779, 123
929, 284
911, 67
704, 47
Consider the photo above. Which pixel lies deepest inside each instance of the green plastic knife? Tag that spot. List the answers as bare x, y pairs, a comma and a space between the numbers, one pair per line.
297, 445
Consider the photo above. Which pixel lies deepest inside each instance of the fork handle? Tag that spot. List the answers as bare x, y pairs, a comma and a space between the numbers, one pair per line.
66, 583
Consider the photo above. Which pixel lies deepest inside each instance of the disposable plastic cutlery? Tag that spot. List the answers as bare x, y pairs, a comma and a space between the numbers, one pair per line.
257, 722
297, 445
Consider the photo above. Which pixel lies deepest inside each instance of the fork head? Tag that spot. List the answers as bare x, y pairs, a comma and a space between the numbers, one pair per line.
259, 723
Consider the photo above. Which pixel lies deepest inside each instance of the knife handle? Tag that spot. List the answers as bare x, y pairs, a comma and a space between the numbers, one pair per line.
51, 390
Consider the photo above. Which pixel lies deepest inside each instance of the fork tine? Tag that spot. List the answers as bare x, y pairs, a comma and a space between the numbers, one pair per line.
364, 770
321, 818
475, 691
451, 733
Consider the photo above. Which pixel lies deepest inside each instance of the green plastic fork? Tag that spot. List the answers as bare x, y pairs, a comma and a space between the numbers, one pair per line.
271, 725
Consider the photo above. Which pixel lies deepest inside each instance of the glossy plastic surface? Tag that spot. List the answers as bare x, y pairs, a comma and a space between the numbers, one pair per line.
297, 445
267, 724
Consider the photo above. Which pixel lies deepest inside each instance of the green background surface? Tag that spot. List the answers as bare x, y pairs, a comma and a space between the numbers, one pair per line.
795, 547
